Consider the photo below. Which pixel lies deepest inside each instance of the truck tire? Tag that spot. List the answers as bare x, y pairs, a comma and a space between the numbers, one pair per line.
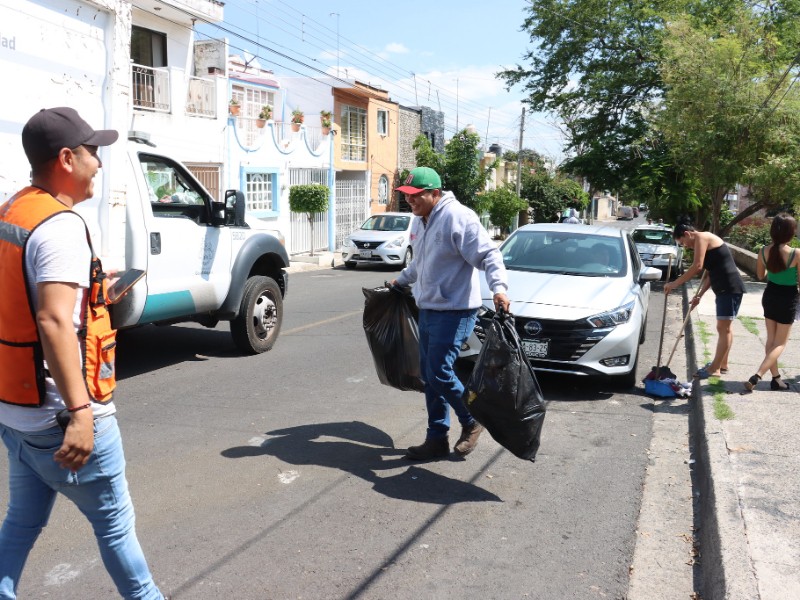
256, 328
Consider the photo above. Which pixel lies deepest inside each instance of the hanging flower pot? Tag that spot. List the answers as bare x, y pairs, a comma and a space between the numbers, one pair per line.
326, 124
261, 123
233, 107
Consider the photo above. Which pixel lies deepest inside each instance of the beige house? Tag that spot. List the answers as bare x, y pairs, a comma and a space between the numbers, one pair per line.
367, 148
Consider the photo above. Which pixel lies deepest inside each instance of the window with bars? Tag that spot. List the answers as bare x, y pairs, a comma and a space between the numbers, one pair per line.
354, 133
260, 191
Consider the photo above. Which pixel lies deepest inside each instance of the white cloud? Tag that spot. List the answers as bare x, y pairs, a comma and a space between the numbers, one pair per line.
396, 48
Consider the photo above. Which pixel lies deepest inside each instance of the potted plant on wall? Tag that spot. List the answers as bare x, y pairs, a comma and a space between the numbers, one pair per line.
326, 126
297, 119
264, 116
233, 107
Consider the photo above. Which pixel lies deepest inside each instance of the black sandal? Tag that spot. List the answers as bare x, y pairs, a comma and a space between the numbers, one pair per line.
778, 385
751, 383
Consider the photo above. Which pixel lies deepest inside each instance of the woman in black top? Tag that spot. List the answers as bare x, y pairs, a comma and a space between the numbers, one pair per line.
711, 253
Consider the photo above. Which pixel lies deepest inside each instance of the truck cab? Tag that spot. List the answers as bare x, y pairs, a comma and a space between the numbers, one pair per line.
205, 260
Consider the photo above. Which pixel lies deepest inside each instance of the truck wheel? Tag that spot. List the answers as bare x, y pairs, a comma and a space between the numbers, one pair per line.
258, 324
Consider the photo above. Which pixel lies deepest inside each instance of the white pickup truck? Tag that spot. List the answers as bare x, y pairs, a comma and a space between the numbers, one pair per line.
206, 261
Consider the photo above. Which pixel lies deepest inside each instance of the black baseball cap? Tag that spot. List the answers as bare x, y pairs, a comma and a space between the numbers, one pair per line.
52, 129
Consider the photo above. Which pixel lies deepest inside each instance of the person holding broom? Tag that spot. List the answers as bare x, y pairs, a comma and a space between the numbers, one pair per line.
712, 254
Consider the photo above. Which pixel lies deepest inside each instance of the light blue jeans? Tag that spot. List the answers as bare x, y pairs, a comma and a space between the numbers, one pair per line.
99, 489
441, 334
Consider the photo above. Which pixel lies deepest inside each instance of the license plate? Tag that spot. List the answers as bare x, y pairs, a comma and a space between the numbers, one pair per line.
536, 348
365, 253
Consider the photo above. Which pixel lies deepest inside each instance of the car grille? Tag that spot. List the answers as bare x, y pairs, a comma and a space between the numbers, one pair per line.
569, 340
367, 245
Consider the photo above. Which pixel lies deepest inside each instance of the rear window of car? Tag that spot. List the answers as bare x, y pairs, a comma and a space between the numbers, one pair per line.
654, 236
565, 253
386, 223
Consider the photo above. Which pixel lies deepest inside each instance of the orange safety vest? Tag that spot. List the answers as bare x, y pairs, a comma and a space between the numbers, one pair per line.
22, 370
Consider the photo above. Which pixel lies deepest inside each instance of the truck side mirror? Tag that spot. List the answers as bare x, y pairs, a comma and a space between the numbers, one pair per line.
235, 199
217, 213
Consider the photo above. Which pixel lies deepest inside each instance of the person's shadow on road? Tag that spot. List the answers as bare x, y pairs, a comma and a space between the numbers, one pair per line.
363, 451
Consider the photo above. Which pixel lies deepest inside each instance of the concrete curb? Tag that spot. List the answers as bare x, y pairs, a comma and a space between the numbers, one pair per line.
727, 570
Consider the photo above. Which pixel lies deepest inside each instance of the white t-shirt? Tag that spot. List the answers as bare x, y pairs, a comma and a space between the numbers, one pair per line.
56, 251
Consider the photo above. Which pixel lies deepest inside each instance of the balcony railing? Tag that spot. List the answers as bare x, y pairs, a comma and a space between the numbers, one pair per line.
151, 88
201, 97
249, 133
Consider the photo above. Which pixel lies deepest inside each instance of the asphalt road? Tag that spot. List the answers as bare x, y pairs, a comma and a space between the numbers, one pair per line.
281, 475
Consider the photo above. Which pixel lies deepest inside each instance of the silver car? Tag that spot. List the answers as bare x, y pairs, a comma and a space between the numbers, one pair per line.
656, 245
579, 295
383, 239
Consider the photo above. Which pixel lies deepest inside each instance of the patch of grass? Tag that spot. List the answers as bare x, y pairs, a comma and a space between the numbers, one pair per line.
749, 324
722, 411
705, 337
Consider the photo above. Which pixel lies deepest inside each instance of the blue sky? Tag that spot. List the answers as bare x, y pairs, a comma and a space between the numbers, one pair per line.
441, 54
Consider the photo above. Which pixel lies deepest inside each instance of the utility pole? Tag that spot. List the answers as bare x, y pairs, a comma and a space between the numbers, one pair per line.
519, 169
486, 139
519, 152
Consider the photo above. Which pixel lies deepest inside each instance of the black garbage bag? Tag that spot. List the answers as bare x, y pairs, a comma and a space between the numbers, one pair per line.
390, 322
503, 394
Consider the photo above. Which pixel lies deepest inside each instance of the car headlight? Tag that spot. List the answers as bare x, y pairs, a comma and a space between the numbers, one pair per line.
348, 243
612, 318
666, 255
396, 243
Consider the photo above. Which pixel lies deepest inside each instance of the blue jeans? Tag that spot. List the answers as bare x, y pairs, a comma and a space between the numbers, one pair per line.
441, 334
99, 489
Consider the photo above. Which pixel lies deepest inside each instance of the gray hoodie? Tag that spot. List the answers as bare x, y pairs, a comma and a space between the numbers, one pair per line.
447, 253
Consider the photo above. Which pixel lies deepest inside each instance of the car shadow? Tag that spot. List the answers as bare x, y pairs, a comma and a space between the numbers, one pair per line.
364, 451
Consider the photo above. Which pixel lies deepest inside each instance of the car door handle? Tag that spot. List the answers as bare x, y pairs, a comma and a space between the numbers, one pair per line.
155, 243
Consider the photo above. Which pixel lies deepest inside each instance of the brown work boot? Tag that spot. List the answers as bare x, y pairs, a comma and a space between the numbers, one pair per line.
469, 439
430, 449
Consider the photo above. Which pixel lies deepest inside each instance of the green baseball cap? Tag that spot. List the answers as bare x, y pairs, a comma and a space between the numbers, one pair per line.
419, 179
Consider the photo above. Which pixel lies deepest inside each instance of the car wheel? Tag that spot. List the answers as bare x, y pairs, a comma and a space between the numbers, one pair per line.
407, 257
350, 264
678, 270
256, 328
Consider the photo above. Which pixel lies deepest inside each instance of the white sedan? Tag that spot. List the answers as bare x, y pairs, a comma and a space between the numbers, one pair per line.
383, 239
579, 295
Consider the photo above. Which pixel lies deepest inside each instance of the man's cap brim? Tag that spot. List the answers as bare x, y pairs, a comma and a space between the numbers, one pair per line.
103, 137
407, 189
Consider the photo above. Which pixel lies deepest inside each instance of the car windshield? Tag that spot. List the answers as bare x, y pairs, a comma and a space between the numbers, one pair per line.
386, 223
565, 253
662, 237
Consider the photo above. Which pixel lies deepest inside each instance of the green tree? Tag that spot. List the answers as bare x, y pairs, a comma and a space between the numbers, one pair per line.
310, 199
504, 205
728, 114
463, 174
426, 156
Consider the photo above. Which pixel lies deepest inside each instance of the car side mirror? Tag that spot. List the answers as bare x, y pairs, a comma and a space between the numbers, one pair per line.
217, 213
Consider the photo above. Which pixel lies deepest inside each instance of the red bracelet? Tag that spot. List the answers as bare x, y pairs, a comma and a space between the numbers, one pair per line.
81, 407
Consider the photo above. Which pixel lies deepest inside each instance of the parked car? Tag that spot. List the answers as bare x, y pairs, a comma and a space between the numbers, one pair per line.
579, 295
624, 212
643, 207
383, 239
635, 211
655, 245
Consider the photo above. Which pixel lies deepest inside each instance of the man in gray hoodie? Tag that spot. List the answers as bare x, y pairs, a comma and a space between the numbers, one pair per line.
449, 246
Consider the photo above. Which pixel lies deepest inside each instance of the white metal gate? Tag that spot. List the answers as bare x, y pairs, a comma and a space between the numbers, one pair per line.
352, 208
300, 241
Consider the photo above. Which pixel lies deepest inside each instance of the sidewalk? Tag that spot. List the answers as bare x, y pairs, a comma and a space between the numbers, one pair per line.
747, 466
